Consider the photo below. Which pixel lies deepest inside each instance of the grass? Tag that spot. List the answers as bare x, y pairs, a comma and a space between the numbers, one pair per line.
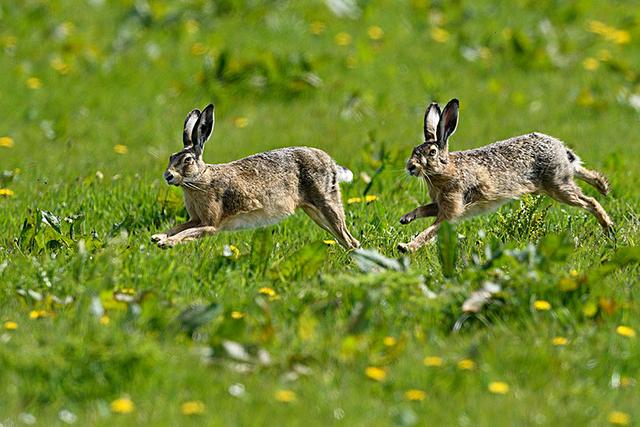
284, 329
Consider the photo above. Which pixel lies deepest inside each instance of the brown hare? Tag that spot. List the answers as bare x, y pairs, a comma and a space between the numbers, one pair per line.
467, 183
255, 191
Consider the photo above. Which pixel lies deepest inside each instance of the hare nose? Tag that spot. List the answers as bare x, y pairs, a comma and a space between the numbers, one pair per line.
411, 168
167, 176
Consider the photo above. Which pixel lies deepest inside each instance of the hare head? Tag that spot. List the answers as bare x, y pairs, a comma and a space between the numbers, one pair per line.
432, 157
187, 164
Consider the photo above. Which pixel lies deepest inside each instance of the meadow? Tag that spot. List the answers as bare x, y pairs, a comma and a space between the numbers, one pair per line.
281, 326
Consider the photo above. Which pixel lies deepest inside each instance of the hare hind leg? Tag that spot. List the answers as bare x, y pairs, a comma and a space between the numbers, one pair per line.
594, 178
330, 216
572, 195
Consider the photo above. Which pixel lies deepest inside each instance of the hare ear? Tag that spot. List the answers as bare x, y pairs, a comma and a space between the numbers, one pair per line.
431, 119
202, 129
448, 122
189, 124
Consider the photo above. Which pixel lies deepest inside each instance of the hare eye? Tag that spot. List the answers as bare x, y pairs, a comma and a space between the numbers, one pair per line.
433, 152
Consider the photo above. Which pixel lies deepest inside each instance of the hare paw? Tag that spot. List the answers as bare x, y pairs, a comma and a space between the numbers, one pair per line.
403, 248
407, 218
158, 237
167, 243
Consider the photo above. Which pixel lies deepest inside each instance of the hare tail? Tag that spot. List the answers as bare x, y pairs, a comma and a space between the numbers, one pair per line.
344, 174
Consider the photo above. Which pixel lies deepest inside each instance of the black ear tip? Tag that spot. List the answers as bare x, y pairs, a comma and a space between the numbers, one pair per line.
209, 107
454, 101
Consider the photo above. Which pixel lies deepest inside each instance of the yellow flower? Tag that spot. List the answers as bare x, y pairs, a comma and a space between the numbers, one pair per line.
376, 374
120, 149
6, 142
124, 405
329, 242
192, 26
370, 198
390, 341
354, 200
34, 83
104, 320
10, 326
237, 315
317, 27
375, 33
626, 331
467, 365
439, 35
285, 396
240, 122
590, 64
198, 49
609, 33
559, 341
267, 291
192, 407
342, 39
6, 192
542, 305
38, 314
433, 361
625, 381
498, 387
415, 395
566, 283
619, 418
59, 65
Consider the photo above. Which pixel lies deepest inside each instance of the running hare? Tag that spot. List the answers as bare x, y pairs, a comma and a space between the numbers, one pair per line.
255, 191
466, 183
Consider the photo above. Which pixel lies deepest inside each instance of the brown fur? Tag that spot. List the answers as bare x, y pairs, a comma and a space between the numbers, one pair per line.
466, 183
254, 191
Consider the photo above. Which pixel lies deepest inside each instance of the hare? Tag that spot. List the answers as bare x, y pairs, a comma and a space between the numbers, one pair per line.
467, 183
255, 191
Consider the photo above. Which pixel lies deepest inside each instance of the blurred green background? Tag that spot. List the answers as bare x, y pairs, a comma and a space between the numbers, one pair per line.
93, 95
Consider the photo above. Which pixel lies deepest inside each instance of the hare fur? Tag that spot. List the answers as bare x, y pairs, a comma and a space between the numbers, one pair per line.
254, 191
467, 183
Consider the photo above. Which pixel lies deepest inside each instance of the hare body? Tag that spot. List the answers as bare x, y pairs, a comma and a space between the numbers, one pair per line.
255, 191
467, 183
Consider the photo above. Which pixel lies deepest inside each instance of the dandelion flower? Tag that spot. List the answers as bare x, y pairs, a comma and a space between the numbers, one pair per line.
124, 405
590, 64
542, 305
6, 142
375, 33
59, 65
415, 395
237, 315
6, 192
375, 373
105, 320
198, 49
389, 341
439, 35
192, 26
559, 341
370, 198
329, 242
267, 291
10, 326
626, 331
467, 365
120, 149
433, 361
192, 407
34, 83
240, 122
619, 418
498, 387
38, 314
317, 27
342, 39
352, 200
285, 396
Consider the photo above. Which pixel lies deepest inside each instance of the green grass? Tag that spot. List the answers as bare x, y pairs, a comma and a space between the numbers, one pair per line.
124, 72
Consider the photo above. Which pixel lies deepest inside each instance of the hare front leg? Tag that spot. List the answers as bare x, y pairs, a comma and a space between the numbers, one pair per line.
421, 239
420, 212
188, 234
174, 230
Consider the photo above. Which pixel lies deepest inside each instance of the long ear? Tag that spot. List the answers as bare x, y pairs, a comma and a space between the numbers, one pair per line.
202, 129
448, 122
431, 119
189, 124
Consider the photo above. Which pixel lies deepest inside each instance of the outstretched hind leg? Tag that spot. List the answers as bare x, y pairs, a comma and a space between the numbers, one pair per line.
330, 216
572, 195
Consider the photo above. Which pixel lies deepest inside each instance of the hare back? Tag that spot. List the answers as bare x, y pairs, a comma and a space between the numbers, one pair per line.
516, 166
